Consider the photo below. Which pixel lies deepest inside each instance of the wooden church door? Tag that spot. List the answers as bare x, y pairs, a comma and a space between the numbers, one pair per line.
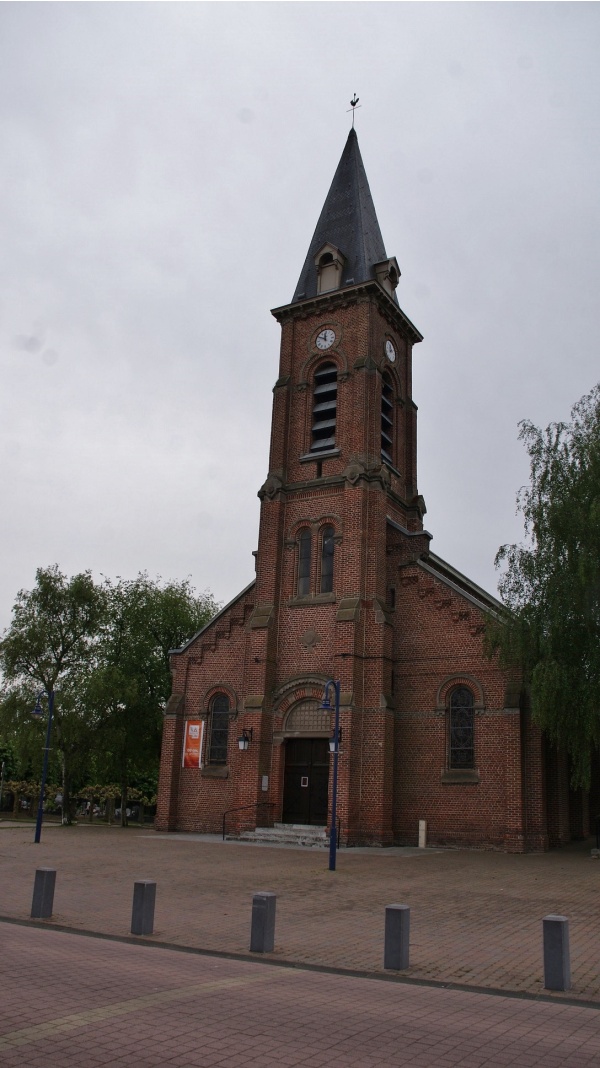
306, 783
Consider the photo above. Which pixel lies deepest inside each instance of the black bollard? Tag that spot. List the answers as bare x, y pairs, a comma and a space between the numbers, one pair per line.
262, 933
43, 893
397, 937
142, 913
557, 960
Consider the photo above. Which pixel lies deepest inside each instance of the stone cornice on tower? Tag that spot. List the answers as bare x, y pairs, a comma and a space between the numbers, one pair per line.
341, 298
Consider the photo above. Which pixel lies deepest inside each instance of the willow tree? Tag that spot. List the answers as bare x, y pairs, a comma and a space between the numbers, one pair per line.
551, 583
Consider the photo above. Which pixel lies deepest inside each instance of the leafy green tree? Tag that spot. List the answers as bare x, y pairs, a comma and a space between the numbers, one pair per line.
52, 644
551, 584
131, 684
104, 650
8, 767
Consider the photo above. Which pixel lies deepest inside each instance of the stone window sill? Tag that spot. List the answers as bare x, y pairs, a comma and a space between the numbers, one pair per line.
317, 598
215, 771
460, 775
319, 455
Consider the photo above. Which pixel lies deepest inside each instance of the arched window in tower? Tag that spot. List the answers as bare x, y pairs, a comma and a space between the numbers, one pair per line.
461, 729
324, 408
327, 549
218, 730
387, 419
304, 553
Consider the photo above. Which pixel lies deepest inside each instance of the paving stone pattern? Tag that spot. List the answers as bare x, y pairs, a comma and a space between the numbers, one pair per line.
74, 1002
476, 918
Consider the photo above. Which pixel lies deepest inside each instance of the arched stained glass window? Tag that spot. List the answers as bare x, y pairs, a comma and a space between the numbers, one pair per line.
462, 729
304, 553
218, 725
327, 550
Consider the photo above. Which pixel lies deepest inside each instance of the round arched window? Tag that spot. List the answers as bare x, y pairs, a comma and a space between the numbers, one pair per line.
218, 728
461, 729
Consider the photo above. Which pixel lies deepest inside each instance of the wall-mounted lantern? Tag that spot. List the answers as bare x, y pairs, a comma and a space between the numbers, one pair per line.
245, 738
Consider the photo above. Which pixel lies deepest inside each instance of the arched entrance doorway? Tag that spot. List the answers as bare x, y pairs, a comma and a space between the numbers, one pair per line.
306, 775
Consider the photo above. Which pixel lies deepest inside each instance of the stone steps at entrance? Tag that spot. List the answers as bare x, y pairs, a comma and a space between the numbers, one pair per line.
287, 834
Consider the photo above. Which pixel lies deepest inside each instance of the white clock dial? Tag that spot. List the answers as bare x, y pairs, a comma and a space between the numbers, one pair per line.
325, 339
390, 351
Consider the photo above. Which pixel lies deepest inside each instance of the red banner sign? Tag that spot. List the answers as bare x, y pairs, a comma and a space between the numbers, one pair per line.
192, 743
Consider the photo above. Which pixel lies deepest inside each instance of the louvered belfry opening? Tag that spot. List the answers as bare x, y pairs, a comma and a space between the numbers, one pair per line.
387, 419
324, 408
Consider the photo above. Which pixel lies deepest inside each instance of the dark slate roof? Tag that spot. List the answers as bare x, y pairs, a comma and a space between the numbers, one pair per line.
349, 222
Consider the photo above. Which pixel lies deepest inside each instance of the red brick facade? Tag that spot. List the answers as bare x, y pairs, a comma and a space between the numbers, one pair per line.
400, 629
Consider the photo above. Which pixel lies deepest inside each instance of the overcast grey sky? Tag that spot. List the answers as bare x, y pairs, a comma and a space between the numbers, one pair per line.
162, 168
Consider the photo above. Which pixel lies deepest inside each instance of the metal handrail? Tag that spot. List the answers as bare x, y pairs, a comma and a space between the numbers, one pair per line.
257, 804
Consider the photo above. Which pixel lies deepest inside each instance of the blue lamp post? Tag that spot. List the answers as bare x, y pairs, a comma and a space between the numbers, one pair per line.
335, 749
38, 711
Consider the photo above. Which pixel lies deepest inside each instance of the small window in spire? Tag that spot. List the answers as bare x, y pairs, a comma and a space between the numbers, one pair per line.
324, 408
329, 262
387, 274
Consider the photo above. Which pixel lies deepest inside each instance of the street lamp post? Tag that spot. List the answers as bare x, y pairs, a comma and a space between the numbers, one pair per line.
326, 707
38, 711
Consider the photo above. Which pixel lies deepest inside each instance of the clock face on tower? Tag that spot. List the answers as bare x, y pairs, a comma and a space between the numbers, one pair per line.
325, 339
390, 351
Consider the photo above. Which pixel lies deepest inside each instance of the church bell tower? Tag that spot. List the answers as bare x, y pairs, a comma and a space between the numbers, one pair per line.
342, 467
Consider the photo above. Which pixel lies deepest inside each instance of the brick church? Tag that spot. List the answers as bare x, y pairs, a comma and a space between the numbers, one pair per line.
347, 588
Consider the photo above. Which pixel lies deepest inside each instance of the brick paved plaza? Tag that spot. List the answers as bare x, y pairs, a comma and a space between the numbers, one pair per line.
71, 1001
475, 916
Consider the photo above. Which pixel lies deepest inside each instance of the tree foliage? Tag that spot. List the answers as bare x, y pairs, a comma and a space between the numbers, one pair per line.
52, 645
103, 648
128, 690
551, 584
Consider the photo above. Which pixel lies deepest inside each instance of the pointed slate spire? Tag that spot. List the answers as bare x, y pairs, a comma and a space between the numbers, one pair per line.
347, 221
